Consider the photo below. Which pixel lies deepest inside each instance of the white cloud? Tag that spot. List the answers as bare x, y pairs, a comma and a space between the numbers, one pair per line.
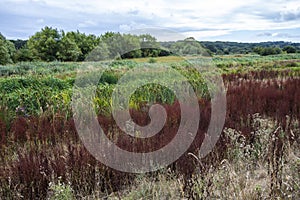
202, 35
87, 23
40, 21
131, 26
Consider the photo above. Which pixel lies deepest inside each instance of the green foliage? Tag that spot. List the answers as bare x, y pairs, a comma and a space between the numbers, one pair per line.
23, 54
61, 191
265, 51
126, 45
37, 85
11, 48
101, 52
188, 46
7, 50
109, 77
44, 45
152, 60
42, 91
123, 63
32, 93
39, 68
19, 43
49, 44
289, 49
68, 49
4, 54
229, 48
252, 61
86, 43
149, 46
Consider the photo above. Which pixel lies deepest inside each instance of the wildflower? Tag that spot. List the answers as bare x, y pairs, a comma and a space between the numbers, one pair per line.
20, 110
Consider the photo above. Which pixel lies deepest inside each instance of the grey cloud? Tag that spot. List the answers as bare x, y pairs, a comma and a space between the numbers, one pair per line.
133, 12
264, 34
290, 15
268, 12
282, 16
195, 29
286, 35
24, 19
278, 35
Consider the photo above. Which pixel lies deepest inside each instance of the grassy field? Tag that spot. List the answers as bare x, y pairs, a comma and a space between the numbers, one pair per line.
256, 157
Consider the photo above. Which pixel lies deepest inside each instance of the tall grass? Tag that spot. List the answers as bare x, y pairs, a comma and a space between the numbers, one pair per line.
40, 150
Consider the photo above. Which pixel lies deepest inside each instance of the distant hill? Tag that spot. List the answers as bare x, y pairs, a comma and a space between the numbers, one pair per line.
224, 48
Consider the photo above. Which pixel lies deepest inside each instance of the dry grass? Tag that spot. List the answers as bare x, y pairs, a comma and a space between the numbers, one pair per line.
245, 173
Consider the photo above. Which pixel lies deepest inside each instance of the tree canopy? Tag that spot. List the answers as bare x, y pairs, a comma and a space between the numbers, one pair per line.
7, 50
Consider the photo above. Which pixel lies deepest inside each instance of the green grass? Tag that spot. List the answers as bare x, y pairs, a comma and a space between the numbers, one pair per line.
165, 59
40, 86
64, 69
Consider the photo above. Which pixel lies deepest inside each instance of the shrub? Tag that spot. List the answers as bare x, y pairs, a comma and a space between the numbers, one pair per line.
61, 191
152, 60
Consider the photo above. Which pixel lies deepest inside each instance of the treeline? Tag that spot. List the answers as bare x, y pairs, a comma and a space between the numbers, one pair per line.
50, 44
262, 48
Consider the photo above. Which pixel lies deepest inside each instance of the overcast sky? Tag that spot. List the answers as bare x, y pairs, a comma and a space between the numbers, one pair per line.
229, 20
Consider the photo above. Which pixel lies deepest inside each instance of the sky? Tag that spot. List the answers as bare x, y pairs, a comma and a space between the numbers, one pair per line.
205, 20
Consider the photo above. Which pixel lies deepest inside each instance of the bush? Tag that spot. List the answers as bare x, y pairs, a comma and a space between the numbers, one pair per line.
289, 49
61, 191
265, 51
152, 60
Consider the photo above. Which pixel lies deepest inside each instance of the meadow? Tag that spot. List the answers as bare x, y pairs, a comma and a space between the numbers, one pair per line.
256, 157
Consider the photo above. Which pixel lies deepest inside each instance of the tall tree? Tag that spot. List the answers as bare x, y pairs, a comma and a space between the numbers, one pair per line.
101, 52
86, 43
149, 46
289, 49
23, 54
4, 54
44, 45
189, 46
7, 50
68, 49
123, 45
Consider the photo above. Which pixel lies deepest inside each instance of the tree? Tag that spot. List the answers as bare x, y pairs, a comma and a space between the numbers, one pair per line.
289, 49
23, 54
44, 45
101, 52
86, 43
68, 49
258, 50
131, 46
149, 46
4, 54
189, 46
212, 48
264, 51
11, 48
126, 45
19, 43
7, 50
